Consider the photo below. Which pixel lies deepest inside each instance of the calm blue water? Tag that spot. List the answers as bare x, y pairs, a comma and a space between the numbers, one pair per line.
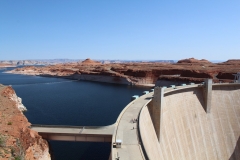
65, 102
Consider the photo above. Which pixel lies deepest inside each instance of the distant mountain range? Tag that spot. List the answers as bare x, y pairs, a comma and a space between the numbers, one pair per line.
57, 61
36, 62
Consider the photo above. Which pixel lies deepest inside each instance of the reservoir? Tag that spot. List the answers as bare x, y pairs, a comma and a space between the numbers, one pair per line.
56, 101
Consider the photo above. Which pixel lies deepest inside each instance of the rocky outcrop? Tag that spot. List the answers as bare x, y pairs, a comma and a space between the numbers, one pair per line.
232, 61
17, 140
193, 60
10, 93
88, 61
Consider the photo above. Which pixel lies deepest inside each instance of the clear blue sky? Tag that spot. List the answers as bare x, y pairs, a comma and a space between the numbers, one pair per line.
119, 29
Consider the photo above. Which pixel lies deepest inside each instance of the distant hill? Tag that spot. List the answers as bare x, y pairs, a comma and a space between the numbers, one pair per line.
57, 61
133, 61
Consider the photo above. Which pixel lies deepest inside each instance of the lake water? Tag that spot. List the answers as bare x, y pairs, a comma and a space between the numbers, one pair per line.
59, 101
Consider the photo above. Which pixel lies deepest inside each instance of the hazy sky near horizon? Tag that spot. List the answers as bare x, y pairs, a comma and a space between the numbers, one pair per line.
123, 29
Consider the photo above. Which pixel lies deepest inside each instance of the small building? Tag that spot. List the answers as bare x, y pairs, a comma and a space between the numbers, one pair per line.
118, 143
237, 77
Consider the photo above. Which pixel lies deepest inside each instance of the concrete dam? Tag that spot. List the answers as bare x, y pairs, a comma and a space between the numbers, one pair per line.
197, 121
183, 122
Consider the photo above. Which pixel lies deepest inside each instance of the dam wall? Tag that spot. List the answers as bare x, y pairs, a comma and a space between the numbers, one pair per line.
148, 135
187, 131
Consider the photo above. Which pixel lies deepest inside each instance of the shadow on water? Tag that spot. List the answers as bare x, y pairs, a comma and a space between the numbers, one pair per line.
80, 150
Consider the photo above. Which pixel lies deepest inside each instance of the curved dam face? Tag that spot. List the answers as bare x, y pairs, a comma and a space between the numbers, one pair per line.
188, 131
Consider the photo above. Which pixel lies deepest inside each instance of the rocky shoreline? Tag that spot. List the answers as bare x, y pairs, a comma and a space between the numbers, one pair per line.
6, 66
17, 140
87, 77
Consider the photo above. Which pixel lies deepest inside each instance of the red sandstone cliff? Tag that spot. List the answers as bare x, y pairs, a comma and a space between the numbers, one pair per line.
17, 141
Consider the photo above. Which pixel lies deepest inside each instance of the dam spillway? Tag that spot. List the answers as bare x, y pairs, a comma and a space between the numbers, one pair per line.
187, 130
